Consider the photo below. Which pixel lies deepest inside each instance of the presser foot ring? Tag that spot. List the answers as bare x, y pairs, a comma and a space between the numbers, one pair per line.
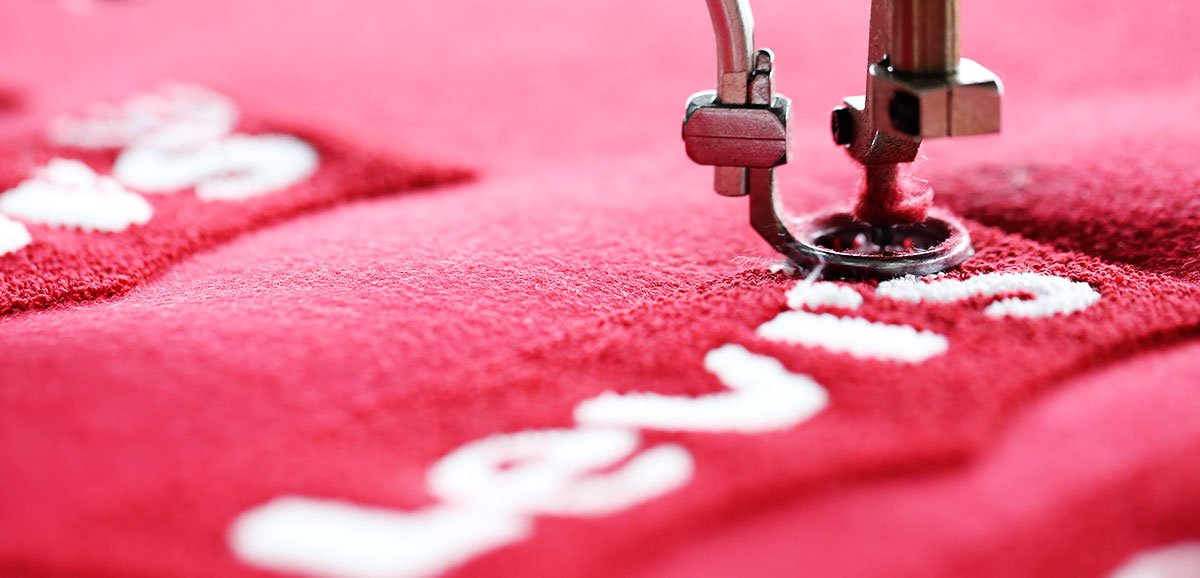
845, 247
840, 246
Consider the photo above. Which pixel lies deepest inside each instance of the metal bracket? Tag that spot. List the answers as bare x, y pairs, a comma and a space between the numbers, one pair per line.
742, 129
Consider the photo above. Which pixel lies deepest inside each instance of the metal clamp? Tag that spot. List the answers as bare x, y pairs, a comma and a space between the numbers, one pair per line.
743, 130
742, 125
917, 85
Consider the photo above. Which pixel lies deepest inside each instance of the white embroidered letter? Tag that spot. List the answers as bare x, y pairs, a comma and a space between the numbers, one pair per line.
69, 194
491, 490
231, 169
13, 236
809, 295
553, 472
854, 336
1051, 295
342, 540
766, 396
174, 116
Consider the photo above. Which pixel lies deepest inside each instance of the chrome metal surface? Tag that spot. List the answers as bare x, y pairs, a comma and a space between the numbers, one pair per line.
733, 27
867, 144
963, 103
743, 124
924, 37
743, 129
840, 246
736, 136
917, 87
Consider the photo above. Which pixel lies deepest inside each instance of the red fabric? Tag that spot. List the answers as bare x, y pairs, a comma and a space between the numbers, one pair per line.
340, 353
73, 265
1023, 508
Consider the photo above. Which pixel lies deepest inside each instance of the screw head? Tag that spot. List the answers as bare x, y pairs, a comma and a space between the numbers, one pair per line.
841, 124
905, 113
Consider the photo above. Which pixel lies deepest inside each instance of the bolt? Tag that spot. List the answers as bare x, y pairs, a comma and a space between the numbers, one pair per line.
904, 111
841, 123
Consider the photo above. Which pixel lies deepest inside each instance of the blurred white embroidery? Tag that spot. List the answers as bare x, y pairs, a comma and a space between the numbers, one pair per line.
1048, 295
175, 116
13, 236
177, 137
182, 136
1180, 560
233, 168
67, 193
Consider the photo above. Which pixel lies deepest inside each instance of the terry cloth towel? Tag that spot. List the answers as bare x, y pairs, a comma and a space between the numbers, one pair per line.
582, 363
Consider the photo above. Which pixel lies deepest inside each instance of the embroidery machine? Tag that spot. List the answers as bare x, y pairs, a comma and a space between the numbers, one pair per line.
917, 87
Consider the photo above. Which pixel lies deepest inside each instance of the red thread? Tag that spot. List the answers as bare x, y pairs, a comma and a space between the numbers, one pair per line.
890, 195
